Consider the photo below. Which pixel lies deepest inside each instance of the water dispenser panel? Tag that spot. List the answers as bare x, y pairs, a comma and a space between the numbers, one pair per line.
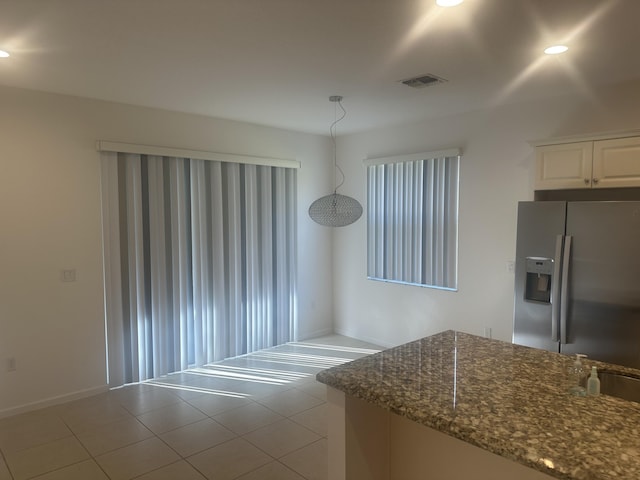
539, 277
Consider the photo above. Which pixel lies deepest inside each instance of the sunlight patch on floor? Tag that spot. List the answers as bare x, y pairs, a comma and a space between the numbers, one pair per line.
358, 350
282, 365
185, 388
243, 374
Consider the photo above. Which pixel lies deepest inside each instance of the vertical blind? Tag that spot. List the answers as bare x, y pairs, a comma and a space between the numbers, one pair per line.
200, 261
412, 221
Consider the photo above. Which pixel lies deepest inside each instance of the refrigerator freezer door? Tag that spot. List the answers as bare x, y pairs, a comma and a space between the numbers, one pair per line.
604, 281
539, 226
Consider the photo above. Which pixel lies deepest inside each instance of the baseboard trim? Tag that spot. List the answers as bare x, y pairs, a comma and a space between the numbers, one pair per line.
364, 338
49, 402
317, 333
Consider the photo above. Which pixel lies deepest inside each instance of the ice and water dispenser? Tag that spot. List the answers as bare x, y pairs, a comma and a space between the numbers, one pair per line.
539, 277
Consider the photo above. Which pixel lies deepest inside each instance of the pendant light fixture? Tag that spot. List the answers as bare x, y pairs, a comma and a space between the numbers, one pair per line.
335, 210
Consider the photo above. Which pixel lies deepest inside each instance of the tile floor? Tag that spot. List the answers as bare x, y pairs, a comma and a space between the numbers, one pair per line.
257, 417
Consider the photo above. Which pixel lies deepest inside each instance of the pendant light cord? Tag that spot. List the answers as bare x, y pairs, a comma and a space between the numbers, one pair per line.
332, 131
335, 210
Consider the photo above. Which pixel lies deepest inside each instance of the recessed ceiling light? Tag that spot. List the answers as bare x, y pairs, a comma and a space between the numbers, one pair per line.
556, 49
3, 54
448, 3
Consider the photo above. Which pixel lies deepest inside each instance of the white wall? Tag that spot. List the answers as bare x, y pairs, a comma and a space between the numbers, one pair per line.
50, 220
496, 173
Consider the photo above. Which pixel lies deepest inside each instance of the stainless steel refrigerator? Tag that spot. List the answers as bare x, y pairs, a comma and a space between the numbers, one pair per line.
577, 285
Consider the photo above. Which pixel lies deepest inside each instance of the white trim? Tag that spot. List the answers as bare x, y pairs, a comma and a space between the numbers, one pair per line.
51, 401
107, 146
584, 138
413, 284
452, 152
323, 332
364, 338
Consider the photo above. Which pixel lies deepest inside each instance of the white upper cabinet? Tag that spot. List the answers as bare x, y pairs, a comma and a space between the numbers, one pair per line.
564, 166
607, 163
616, 163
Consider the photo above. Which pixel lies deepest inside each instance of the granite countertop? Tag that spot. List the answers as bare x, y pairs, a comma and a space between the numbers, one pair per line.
504, 398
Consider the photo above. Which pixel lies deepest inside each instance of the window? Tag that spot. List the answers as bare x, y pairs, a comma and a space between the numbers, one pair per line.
412, 219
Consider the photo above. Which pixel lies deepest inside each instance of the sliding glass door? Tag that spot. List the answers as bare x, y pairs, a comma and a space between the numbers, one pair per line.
200, 261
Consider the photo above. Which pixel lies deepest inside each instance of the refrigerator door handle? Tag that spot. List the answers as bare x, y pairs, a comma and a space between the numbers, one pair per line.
555, 290
564, 290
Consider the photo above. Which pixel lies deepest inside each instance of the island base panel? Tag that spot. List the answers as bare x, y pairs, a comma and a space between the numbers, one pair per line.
367, 442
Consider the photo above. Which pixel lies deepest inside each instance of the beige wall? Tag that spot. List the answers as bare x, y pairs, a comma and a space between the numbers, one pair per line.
496, 173
50, 221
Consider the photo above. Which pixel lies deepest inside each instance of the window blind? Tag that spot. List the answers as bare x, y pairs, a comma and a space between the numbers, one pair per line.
412, 219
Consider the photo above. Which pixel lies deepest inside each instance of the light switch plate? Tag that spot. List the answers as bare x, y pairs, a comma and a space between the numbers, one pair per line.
68, 275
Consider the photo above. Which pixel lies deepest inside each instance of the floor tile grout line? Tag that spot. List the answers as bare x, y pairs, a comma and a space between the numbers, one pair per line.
65, 466
304, 446
223, 411
262, 466
276, 458
297, 450
308, 380
169, 464
94, 457
85, 449
176, 428
186, 459
158, 436
6, 464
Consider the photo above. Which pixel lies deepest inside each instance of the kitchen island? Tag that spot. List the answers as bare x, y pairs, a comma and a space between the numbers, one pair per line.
458, 406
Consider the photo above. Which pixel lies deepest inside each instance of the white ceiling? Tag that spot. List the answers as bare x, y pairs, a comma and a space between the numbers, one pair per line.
276, 62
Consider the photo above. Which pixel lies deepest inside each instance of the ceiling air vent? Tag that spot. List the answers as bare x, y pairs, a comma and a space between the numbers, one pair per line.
423, 81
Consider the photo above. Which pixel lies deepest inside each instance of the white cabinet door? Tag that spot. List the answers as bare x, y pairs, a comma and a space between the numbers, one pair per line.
616, 163
565, 165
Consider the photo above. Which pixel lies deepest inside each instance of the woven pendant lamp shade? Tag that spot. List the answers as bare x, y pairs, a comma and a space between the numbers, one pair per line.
335, 210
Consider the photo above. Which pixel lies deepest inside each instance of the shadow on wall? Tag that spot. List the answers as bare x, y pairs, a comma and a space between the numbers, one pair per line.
610, 109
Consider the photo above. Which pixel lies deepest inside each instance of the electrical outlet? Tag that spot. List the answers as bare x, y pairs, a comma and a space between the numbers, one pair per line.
68, 275
487, 332
511, 266
11, 364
